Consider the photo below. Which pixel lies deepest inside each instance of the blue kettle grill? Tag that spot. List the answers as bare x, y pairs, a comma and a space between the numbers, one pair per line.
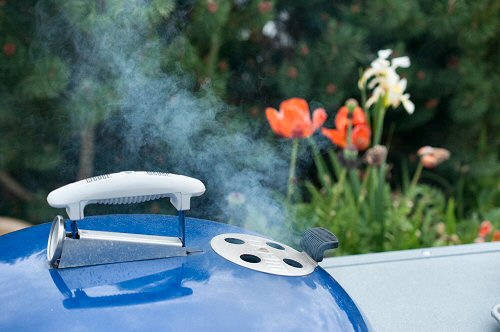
155, 272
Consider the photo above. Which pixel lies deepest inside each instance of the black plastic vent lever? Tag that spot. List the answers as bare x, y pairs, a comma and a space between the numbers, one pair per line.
316, 241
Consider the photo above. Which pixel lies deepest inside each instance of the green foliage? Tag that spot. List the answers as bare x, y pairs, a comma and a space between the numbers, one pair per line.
418, 217
85, 15
91, 102
161, 9
82, 14
49, 78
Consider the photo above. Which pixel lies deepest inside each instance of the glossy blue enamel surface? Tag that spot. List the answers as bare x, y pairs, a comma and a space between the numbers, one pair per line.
198, 292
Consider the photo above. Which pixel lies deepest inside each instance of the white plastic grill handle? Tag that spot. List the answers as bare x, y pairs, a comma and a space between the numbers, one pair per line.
125, 188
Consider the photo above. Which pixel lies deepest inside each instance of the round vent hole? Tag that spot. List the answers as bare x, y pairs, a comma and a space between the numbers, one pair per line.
233, 240
292, 262
275, 245
250, 258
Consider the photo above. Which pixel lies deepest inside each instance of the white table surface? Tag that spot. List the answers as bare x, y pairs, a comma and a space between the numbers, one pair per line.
436, 289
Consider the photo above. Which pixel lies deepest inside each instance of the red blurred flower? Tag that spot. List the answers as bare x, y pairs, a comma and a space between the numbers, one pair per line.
223, 65
485, 229
496, 236
432, 103
265, 7
453, 62
361, 133
212, 6
293, 120
331, 88
293, 72
355, 8
9, 49
421, 75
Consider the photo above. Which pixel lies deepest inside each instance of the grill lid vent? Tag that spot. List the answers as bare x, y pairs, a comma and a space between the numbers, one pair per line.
261, 254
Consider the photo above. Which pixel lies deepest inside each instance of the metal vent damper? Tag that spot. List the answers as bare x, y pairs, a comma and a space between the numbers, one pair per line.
264, 255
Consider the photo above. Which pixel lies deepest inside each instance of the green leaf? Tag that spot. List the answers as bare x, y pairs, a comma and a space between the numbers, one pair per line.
451, 220
91, 102
49, 78
81, 13
44, 158
164, 7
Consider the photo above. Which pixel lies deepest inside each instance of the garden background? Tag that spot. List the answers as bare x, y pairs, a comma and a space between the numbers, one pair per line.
91, 87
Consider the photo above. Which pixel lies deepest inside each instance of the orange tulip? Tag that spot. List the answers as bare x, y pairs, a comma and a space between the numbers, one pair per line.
338, 137
361, 133
342, 119
361, 137
496, 236
485, 229
293, 120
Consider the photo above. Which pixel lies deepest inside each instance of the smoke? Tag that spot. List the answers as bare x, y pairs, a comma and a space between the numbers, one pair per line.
151, 120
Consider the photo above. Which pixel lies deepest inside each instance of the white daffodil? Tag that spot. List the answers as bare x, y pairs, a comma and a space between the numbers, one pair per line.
385, 82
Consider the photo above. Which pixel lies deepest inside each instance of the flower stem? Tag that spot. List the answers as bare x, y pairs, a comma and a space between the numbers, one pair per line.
355, 184
363, 104
379, 121
320, 164
341, 184
213, 55
416, 176
293, 162
380, 203
364, 184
